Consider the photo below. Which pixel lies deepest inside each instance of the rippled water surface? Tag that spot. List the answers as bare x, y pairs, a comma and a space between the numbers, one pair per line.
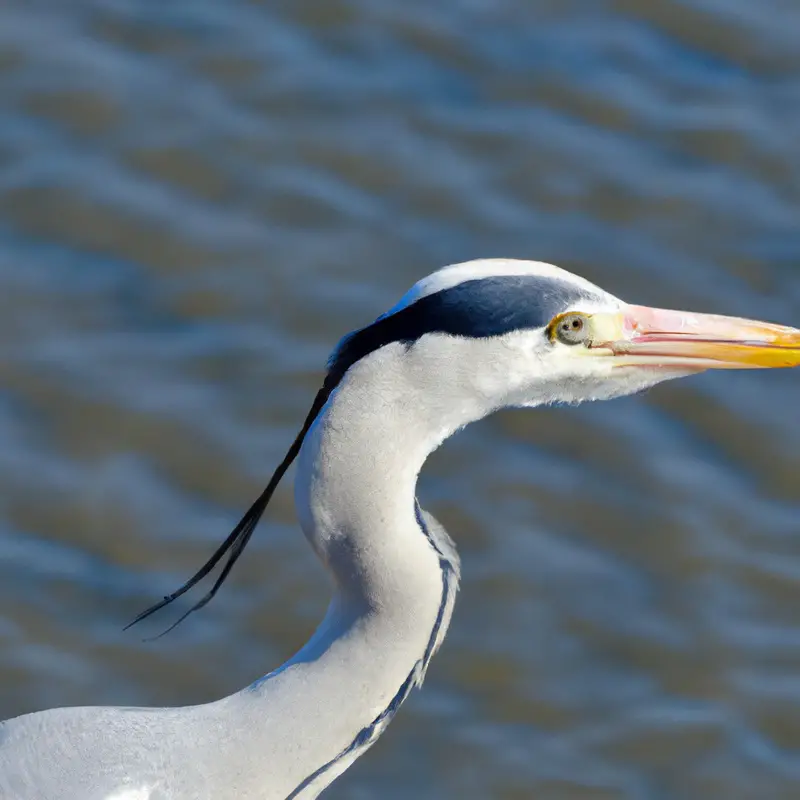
197, 199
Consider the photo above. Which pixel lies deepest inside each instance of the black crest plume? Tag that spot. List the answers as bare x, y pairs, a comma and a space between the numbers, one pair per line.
352, 347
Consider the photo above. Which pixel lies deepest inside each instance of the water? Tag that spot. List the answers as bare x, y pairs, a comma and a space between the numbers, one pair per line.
197, 199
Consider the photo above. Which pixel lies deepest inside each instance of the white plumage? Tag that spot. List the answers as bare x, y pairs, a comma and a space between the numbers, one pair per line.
465, 341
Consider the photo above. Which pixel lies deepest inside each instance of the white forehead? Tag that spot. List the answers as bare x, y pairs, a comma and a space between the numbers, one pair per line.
450, 276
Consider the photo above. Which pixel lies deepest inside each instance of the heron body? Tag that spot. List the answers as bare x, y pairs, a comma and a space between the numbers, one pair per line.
464, 342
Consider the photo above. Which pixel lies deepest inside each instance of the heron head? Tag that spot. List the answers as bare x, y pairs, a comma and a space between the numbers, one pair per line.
520, 333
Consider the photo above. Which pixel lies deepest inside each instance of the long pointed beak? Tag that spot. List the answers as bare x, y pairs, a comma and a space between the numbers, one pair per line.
644, 336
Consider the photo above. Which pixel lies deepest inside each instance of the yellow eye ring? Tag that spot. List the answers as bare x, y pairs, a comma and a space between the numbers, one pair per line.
571, 328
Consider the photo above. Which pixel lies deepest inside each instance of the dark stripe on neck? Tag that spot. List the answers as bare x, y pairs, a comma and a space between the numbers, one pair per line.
476, 308
448, 572
367, 736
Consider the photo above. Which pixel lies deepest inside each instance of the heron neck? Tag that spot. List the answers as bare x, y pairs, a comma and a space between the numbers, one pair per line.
394, 571
355, 496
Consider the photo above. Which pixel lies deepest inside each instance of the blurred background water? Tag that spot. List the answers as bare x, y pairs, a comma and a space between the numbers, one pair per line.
198, 198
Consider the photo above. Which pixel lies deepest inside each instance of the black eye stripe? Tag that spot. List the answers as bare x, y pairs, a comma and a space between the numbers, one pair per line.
477, 308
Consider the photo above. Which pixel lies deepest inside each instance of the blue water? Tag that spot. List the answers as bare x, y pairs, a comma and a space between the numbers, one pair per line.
198, 199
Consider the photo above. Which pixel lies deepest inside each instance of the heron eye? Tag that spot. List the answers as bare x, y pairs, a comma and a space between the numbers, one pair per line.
570, 329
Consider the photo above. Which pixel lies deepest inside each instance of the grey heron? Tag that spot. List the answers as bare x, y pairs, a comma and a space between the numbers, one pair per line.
463, 342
